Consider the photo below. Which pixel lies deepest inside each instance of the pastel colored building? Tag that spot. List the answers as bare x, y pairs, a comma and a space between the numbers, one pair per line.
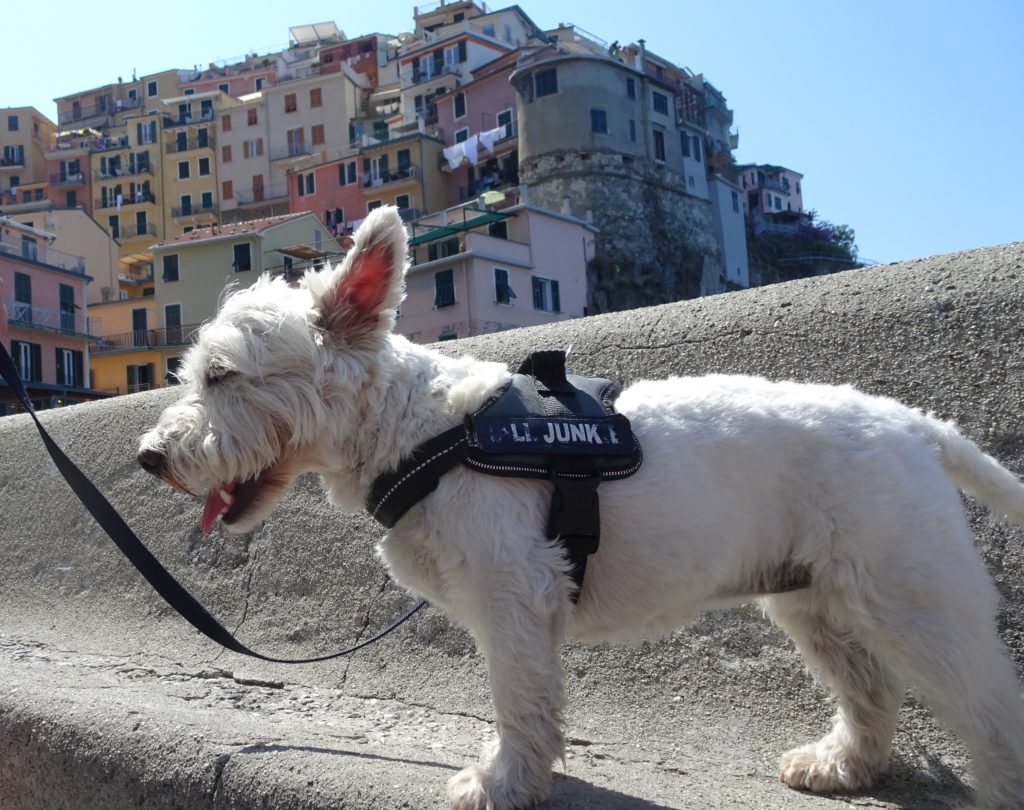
25, 135
730, 230
482, 268
769, 189
45, 328
243, 164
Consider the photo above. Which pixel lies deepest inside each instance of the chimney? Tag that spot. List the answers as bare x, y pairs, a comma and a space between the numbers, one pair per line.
641, 57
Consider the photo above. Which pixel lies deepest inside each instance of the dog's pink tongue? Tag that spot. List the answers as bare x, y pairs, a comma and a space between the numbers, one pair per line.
215, 505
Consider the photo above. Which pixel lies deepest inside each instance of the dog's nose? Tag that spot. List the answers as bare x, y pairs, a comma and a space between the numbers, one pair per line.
151, 461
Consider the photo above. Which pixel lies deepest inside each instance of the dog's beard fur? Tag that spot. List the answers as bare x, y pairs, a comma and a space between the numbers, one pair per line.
741, 478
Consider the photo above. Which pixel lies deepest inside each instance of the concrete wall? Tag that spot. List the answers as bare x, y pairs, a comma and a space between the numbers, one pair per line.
107, 700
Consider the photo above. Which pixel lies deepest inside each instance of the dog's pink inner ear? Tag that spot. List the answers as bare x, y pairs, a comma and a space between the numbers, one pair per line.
361, 291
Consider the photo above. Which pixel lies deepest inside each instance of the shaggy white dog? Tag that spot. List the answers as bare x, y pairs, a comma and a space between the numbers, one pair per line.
742, 479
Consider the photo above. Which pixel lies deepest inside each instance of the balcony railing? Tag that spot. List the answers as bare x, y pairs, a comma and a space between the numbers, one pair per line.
13, 161
291, 151
419, 77
274, 191
130, 170
190, 144
408, 173
167, 337
134, 232
170, 122
111, 144
47, 320
43, 253
193, 210
137, 198
72, 179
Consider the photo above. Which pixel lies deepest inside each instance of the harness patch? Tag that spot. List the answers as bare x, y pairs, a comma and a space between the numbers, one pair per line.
544, 434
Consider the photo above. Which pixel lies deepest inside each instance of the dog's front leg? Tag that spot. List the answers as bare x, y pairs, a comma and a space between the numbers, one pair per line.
519, 624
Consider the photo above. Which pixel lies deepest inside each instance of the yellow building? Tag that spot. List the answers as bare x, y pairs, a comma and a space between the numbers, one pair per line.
25, 135
189, 144
126, 357
403, 171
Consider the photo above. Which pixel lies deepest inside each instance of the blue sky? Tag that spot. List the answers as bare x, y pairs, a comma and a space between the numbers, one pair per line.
906, 117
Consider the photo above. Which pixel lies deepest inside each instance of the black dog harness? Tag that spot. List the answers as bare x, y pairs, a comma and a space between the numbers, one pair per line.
542, 424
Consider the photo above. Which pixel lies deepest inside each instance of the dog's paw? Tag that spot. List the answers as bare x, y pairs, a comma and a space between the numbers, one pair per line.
824, 769
466, 789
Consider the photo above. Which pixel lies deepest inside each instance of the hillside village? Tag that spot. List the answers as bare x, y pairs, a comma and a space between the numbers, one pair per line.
542, 174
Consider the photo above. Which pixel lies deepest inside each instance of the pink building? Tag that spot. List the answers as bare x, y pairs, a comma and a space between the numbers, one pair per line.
479, 269
46, 327
333, 191
477, 122
770, 189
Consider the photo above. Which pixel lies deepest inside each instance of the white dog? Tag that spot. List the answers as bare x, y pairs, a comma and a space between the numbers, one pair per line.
742, 479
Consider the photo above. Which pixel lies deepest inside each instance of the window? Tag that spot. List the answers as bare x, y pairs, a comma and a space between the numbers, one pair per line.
461, 135
225, 153
203, 138
252, 148
140, 377
632, 129
317, 134
659, 145
404, 161
373, 205
170, 272
315, 97
251, 117
12, 123
444, 288
305, 184
141, 225
151, 89
660, 102
778, 203
114, 225
346, 173
225, 123
442, 249
290, 105
296, 141
224, 88
70, 370
227, 190
499, 230
23, 296
684, 139
259, 85
183, 170
630, 88
173, 364
172, 323
66, 300
599, 121
402, 201
146, 133
502, 291
181, 141
243, 258
186, 204
460, 105
204, 167
28, 360
504, 119
206, 200
696, 148
72, 201
735, 201
546, 82
545, 295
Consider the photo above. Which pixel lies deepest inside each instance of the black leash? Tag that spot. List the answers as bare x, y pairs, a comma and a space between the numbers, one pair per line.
156, 575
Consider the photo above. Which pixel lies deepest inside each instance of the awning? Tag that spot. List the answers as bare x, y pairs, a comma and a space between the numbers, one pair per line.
435, 232
302, 252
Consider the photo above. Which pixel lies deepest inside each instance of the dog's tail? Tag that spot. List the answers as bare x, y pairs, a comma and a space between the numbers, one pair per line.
977, 473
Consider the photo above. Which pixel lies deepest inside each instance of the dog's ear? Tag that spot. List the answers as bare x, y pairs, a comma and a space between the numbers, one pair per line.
359, 299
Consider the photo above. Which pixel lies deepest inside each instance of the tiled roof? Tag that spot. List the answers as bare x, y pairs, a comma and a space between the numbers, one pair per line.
234, 229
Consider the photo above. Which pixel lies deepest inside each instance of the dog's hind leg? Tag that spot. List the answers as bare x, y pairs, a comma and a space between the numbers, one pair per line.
856, 750
518, 623
941, 634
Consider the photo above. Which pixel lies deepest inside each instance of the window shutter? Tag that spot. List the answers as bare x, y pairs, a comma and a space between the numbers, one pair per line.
60, 366
538, 293
341, 174
556, 302
462, 51
16, 357
131, 377
78, 359
37, 362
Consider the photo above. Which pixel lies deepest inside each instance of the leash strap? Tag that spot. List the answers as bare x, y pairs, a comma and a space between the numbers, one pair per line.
173, 592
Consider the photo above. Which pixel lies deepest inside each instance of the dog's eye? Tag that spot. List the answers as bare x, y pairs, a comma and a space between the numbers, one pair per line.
218, 372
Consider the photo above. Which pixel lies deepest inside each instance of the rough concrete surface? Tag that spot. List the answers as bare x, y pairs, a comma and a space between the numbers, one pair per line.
108, 700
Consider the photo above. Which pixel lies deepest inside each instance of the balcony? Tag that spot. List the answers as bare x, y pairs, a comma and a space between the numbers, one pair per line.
132, 170
291, 151
72, 179
193, 211
13, 160
46, 320
138, 198
388, 178
171, 122
111, 144
135, 232
421, 77
42, 253
249, 196
190, 145
166, 338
